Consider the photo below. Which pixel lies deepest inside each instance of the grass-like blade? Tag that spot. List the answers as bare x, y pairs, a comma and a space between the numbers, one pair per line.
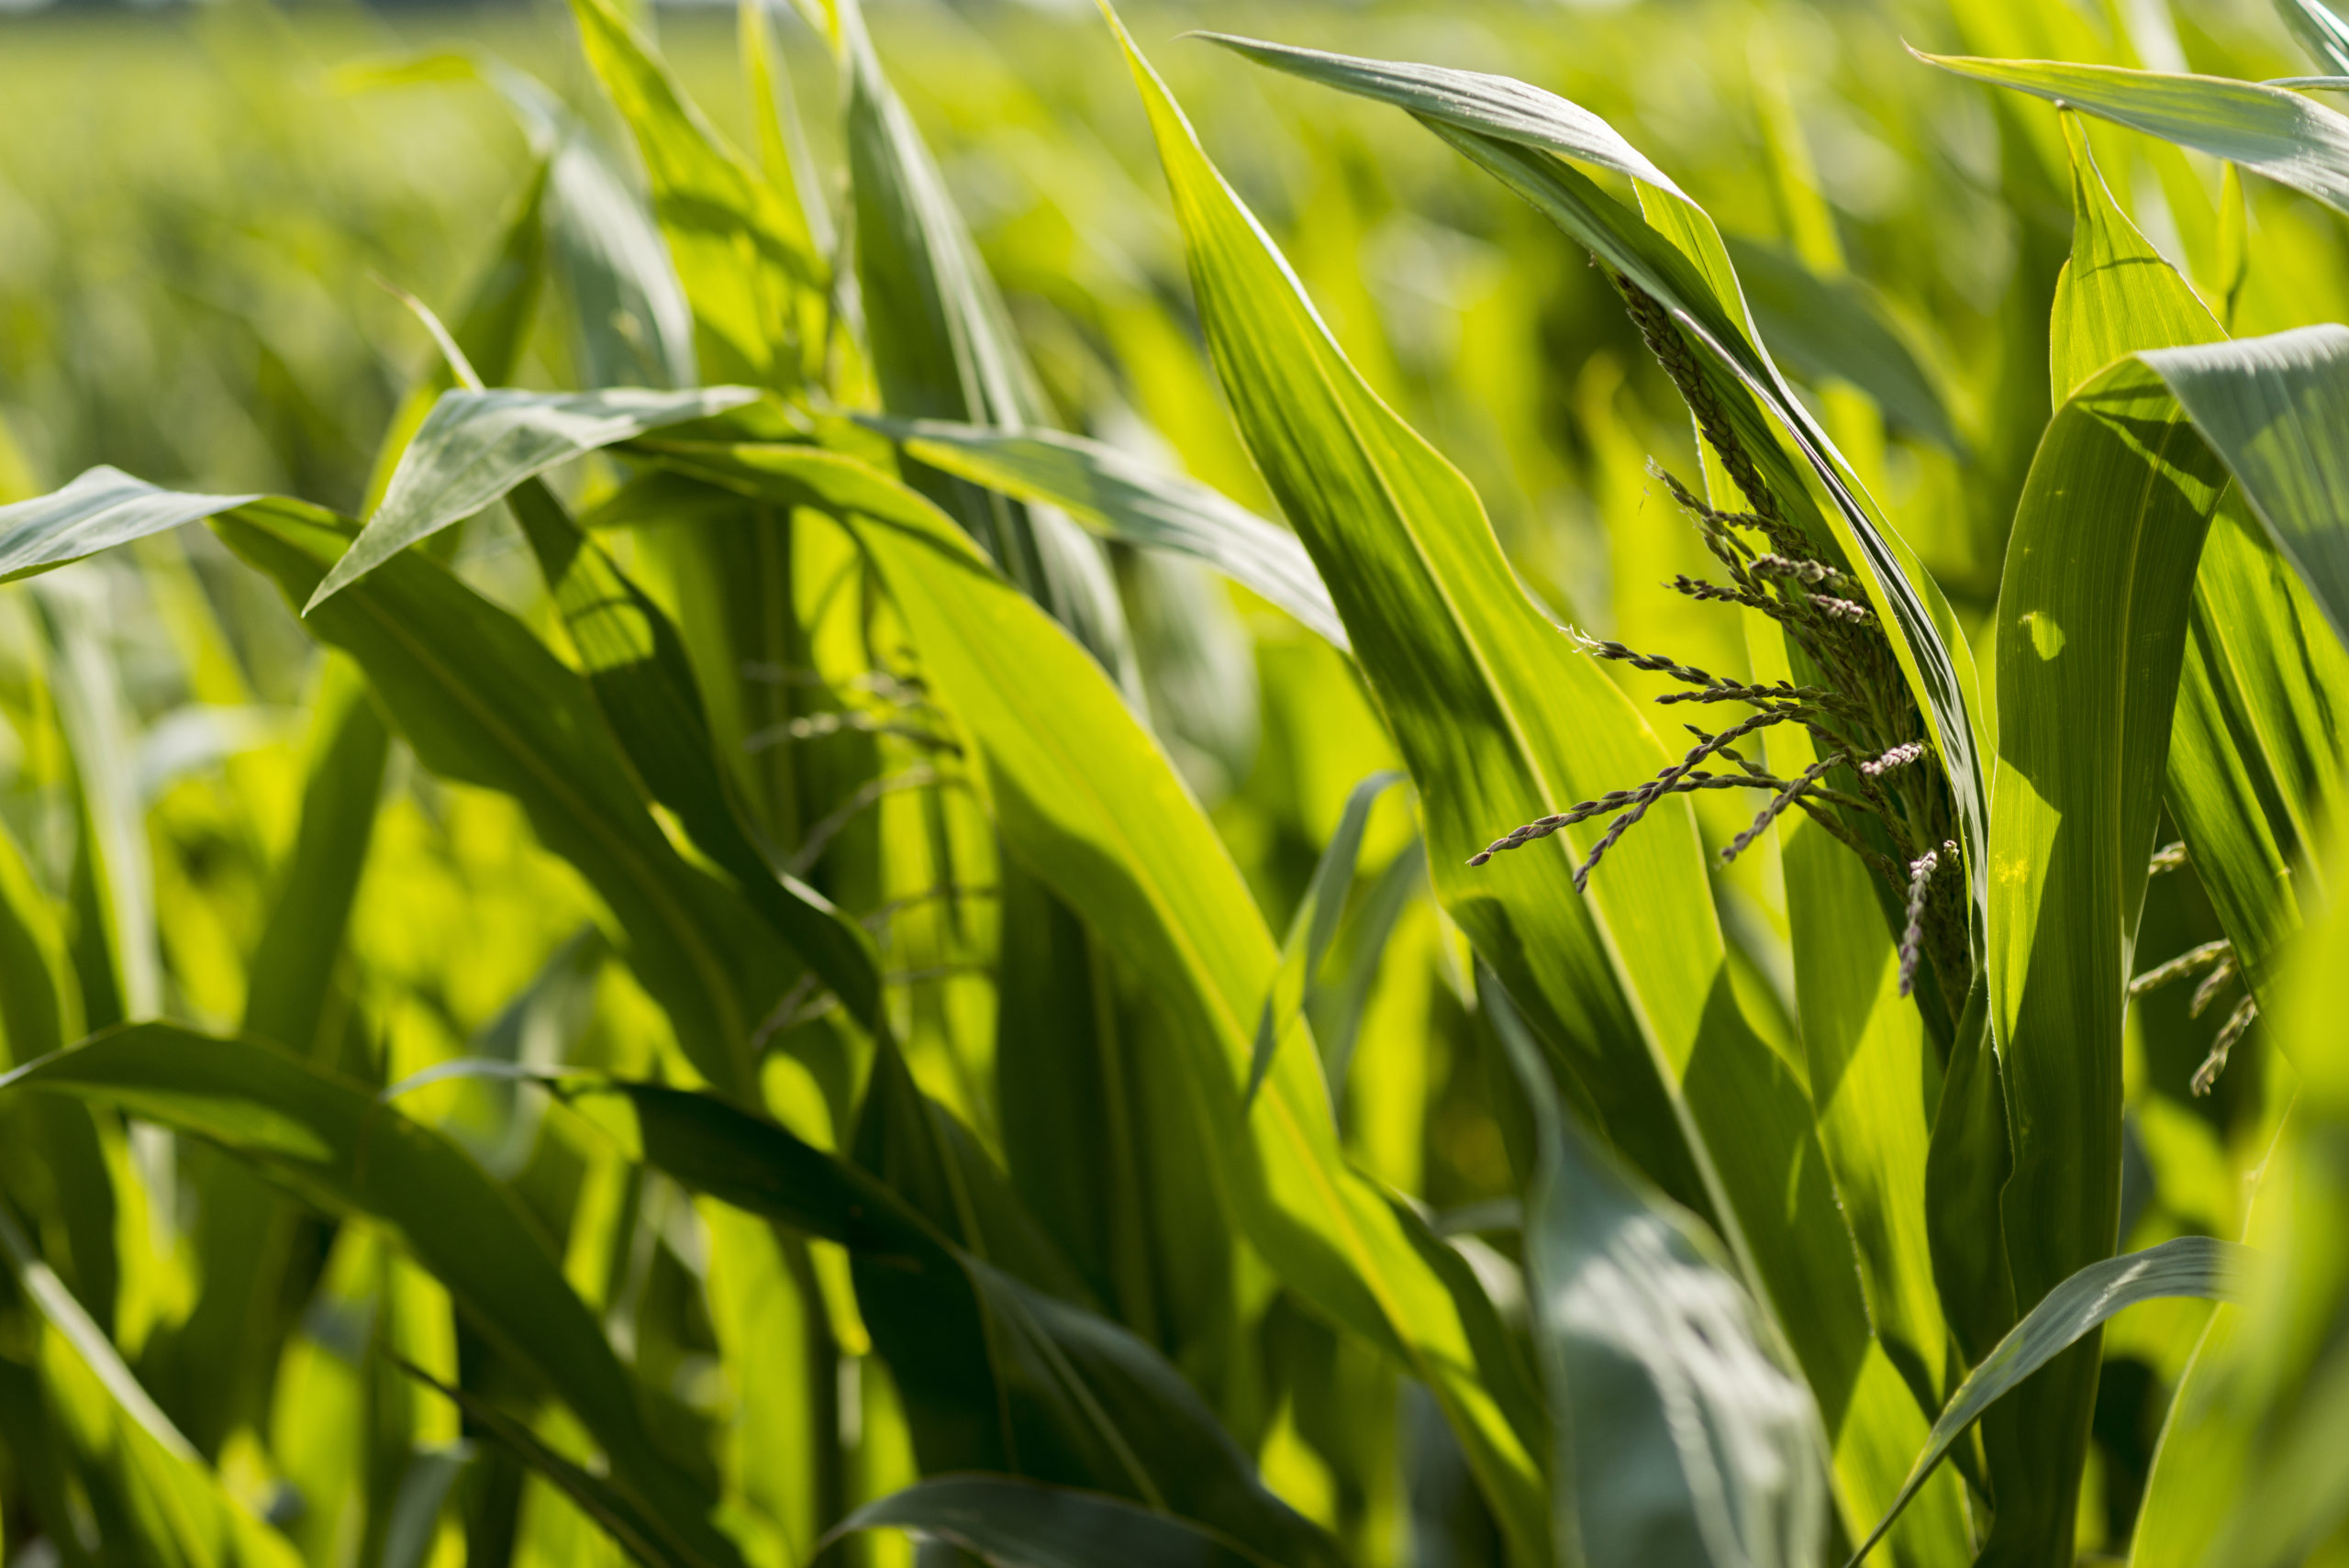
1011, 1523
178, 1513
1125, 498
101, 508
2291, 139
475, 446
1676, 1436
641, 1534
333, 1143
2319, 31
1314, 926
2199, 1267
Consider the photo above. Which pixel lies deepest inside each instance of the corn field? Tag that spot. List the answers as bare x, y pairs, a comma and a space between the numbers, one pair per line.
1411, 785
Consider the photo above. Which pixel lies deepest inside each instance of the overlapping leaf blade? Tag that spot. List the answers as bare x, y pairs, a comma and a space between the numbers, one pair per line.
333, 1144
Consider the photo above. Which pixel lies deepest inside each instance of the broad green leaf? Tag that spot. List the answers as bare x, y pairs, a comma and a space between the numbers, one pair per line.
742, 253
179, 1514
641, 1534
637, 665
333, 1144
994, 1368
1670, 250
1837, 328
1677, 1437
2291, 139
1091, 807
2088, 666
1018, 1524
1314, 926
1122, 497
2196, 1266
1500, 720
102, 508
475, 446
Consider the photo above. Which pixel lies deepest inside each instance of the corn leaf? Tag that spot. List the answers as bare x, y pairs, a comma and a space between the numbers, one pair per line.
1677, 1437
1530, 140
1018, 1524
2199, 1266
333, 1144
742, 253
1091, 807
1121, 497
2280, 134
178, 1514
1001, 1374
475, 446
102, 508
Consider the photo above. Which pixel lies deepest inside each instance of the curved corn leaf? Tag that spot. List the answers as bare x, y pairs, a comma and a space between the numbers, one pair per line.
333, 1144
637, 665
1122, 497
2199, 1266
1670, 250
997, 1370
1677, 1437
178, 1513
741, 252
1501, 720
1314, 926
475, 446
103, 507
2289, 139
1836, 327
641, 1534
1011, 1523
1093, 808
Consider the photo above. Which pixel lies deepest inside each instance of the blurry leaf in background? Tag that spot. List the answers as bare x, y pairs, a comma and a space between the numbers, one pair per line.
1835, 328
1018, 1524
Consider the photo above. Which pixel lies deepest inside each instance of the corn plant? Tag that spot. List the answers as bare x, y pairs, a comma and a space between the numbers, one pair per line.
897, 1113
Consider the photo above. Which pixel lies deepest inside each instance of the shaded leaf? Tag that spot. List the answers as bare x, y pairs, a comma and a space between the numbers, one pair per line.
1018, 1524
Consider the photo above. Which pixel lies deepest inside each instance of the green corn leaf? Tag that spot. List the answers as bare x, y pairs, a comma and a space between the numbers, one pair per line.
641, 1534
993, 1370
334, 1145
1121, 497
179, 1514
1837, 328
2258, 691
742, 253
2199, 1266
2089, 667
1314, 927
1669, 248
1501, 720
942, 348
1018, 1524
102, 508
1087, 800
475, 446
1677, 1437
637, 665
2287, 138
